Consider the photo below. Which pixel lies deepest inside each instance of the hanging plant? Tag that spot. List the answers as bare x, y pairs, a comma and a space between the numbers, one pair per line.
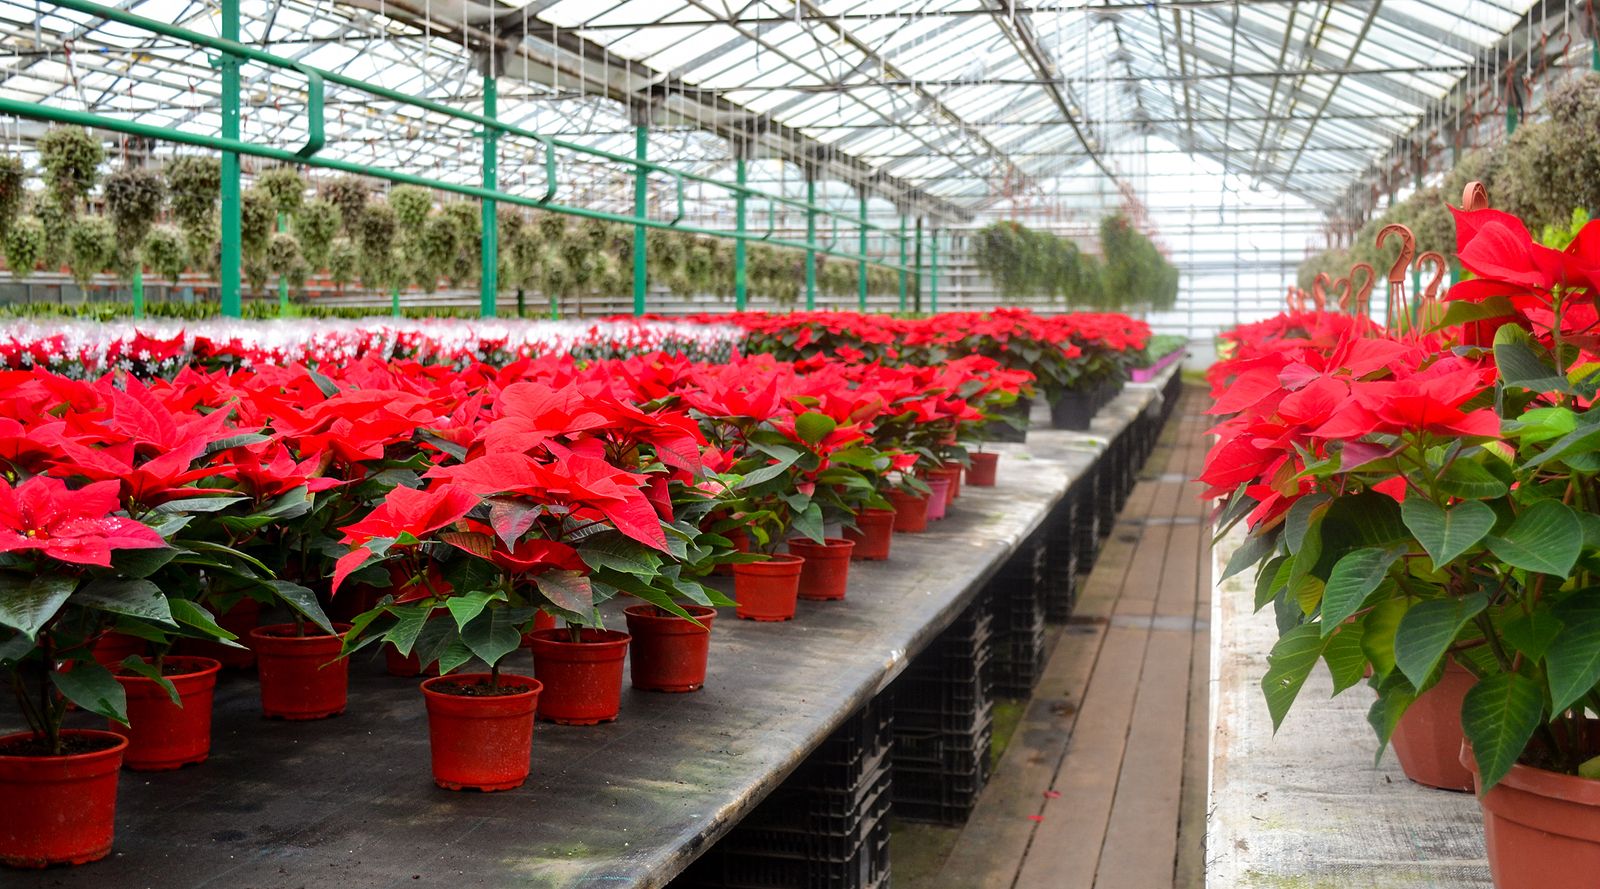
285, 186
133, 201
202, 247
164, 252
12, 174
437, 248
256, 273
376, 242
193, 184
24, 245
467, 261
283, 254
555, 279
71, 160
610, 275
412, 204
700, 267
315, 226
350, 196
91, 248
552, 227
257, 219
343, 260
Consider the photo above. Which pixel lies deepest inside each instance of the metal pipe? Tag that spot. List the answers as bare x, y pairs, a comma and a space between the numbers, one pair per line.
283, 280
489, 277
861, 267
811, 240
902, 262
933, 275
231, 230
641, 195
740, 285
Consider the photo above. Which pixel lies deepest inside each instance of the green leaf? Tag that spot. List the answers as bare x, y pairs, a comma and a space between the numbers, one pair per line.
619, 554
491, 635
190, 614
1378, 630
1289, 664
1271, 580
1532, 633
1582, 440
1344, 657
301, 600
197, 504
1572, 659
93, 688
1427, 630
766, 473
26, 604
136, 563
1471, 480
1447, 533
135, 598
1300, 518
809, 522
465, 608
1546, 538
1353, 578
1524, 363
1395, 696
567, 590
1255, 548
1460, 311
813, 427
455, 653
141, 667
409, 621
1499, 716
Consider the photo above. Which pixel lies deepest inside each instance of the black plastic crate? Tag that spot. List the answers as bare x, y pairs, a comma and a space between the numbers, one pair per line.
792, 827
939, 797
1019, 663
865, 867
844, 762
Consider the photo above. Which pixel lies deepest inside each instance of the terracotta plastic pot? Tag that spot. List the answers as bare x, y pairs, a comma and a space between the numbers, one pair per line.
939, 498
873, 532
480, 742
58, 809
302, 677
768, 591
113, 648
981, 474
825, 575
163, 735
582, 680
1541, 829
669, 653
741, 544
910, 511
542, 620
952, 471
406, 666
1427, 741
238, 620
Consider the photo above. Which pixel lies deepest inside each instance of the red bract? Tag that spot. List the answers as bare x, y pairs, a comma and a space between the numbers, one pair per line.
406, 512
79, 526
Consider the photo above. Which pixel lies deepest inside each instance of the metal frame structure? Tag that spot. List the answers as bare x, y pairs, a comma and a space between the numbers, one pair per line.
933, 116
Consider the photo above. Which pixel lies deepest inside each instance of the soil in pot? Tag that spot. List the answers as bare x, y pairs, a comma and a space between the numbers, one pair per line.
981, 474
1427, 741
768, 591
939, 498
58, 809
872, 535
582, 680
910, 511
1540, 828
163, 735
480, 729
669, 653
825, 574
302, 677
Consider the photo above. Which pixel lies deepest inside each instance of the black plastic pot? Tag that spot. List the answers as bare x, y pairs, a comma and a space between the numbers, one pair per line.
1003, 431
1074, 410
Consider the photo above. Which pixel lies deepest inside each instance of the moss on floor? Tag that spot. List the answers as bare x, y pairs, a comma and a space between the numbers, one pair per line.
1007, 716
918, 853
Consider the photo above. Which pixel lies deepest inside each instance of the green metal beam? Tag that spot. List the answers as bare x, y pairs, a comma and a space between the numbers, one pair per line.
741, 285
861, 267
902, 262
283, 280
489, 277
933, 275
641, 195
231, 232
811, 241
917, 281
137, 288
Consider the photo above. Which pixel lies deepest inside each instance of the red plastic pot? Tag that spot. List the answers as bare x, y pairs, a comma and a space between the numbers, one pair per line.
1427, 740
825, 574
939, 499
480, 742
668, 652
981, 474
952, 471
741, 544
542, 620
406, 666
872, 534
58, 809
302, 677
582, 680
1541, 829
767, 591
162, 735
113, 648
910, 511
238, 620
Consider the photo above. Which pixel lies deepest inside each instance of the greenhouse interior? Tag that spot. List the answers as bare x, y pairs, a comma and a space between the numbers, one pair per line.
800, 444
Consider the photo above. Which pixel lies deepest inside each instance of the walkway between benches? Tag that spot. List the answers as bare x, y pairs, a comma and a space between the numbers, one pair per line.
1104, 783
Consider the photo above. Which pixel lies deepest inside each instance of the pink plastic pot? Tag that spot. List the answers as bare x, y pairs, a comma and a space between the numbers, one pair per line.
939, 499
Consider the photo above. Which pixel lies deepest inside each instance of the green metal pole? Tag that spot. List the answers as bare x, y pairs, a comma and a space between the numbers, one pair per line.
394, 299
283, 281
811, 241
641, 194
933, 276
229, 273
741, 293
902, 262
861, 266
917, 281
138, 290
489, 283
